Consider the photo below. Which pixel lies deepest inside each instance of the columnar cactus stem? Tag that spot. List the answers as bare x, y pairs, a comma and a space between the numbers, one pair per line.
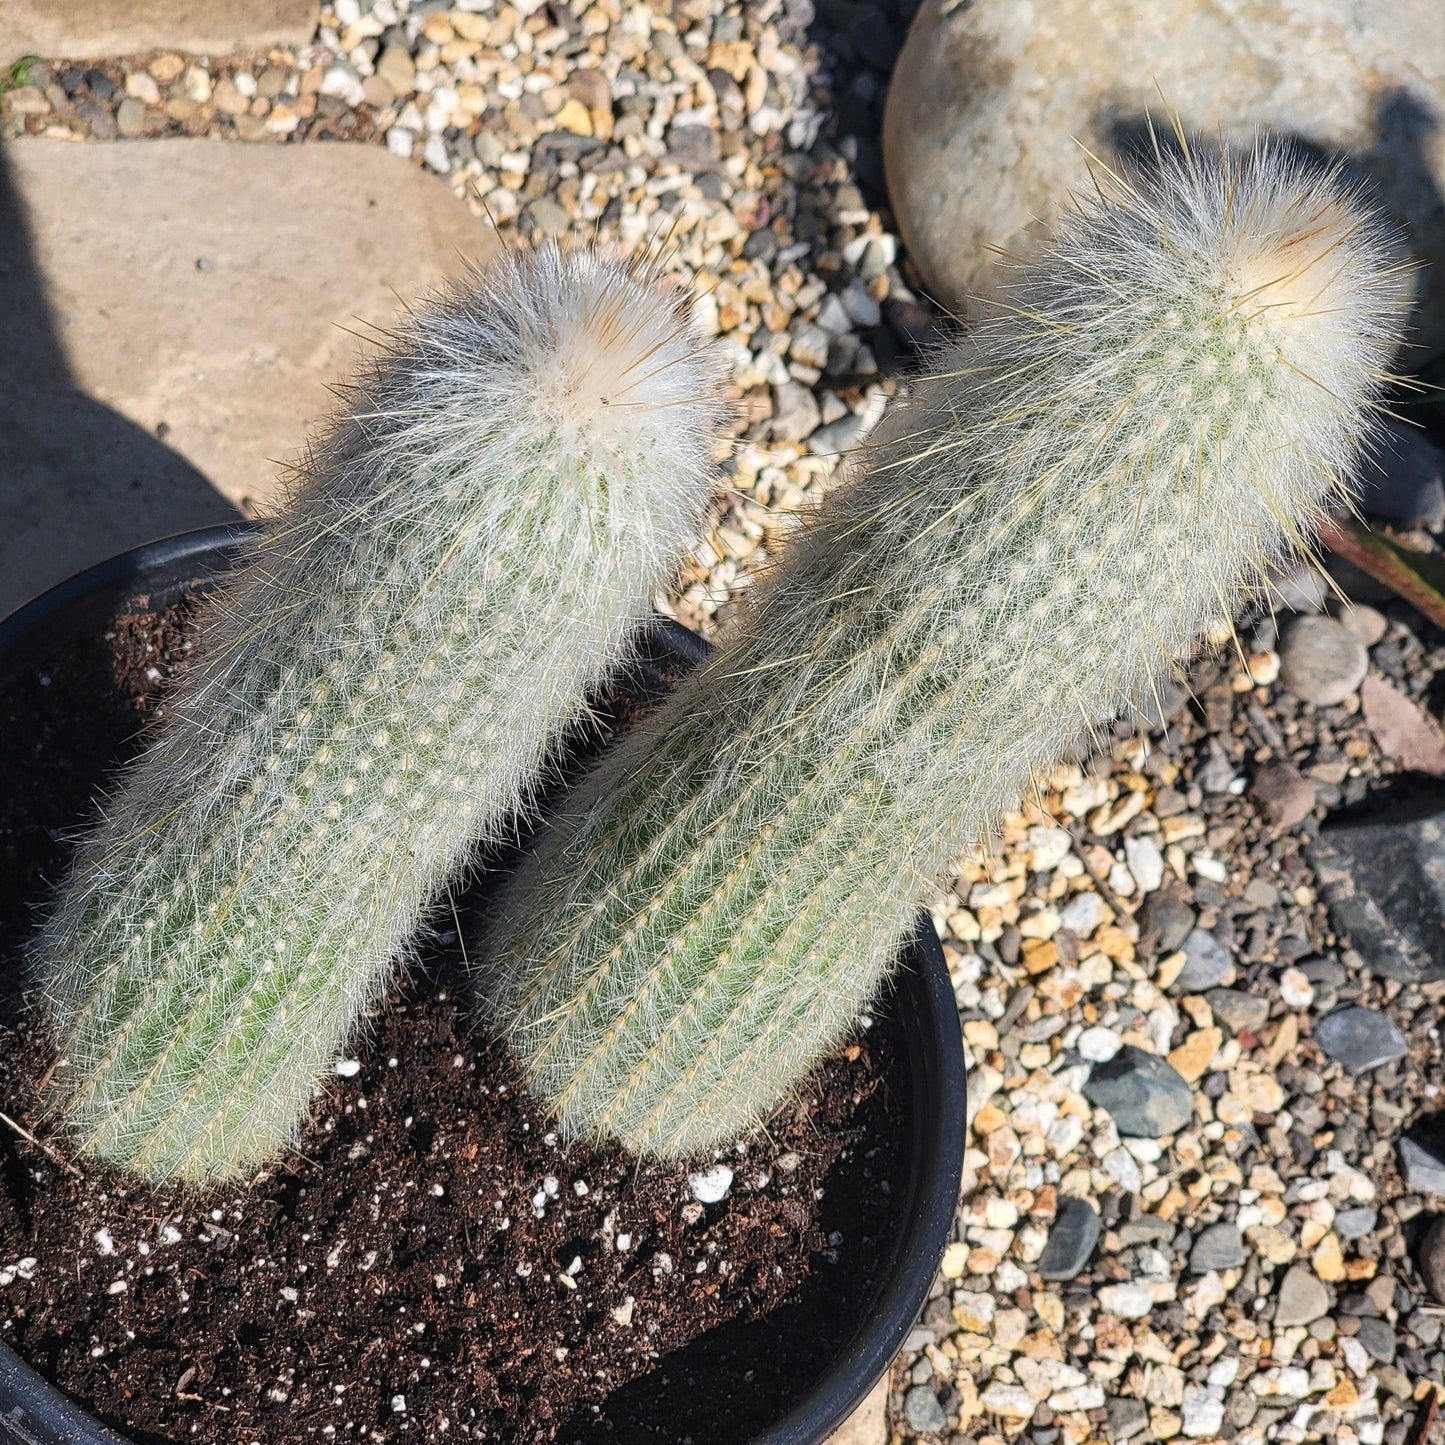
1175, 390
473, 542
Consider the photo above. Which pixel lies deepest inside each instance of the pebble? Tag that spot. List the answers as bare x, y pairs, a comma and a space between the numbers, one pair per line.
1360, 1038
1012, 1402
1206, 963
796, 414
1217, 1247
1145, 1096
1082, 914
1364, 622
1145, 862
1237, 1010
1072, 1237
1127, 1417
1168, 916
1360, 861
395, 67
709, 1186
1283, 794
1378, 1338
1356, 1223
1296, 989
1217, 774
922, 1410
1431, 1258
1402, 728
130, 118
1128, 1301
1321, 662
1098, 1044
1202, 1411
1303, 1298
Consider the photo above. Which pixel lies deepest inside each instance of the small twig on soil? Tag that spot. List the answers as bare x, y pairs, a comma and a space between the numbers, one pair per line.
45, 1149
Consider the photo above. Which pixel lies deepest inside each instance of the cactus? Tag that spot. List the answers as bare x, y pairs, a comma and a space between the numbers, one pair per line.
1171, 394
469, 547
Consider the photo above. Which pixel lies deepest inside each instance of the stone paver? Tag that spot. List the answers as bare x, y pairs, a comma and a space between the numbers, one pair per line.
207, 310
83, 29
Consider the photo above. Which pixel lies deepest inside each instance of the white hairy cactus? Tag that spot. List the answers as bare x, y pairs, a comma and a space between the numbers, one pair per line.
473, 540
1170, 395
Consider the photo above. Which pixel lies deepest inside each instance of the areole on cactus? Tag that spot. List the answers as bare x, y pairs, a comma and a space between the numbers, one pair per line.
1168, 397
471, 542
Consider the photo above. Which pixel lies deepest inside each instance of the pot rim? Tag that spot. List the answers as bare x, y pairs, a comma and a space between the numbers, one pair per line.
35, 1412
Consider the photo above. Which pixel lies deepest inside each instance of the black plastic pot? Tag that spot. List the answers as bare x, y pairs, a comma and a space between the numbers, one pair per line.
812, 1394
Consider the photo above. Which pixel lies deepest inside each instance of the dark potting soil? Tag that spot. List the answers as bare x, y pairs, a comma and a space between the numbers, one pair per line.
432, 1263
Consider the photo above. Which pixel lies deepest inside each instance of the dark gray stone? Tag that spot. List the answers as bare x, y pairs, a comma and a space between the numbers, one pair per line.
1166, 915
1360, 1038
1432, 1258
1218, 1247
1126, 1418
1146, 1229
1423, 1169
1236, 1009
1383, 876
1378, 1338
1145, 1096
1402, 480
1072, 1237
1283, 794
1206, 963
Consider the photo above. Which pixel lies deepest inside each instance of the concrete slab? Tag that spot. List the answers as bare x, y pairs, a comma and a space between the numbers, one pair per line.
171, 315
94, 29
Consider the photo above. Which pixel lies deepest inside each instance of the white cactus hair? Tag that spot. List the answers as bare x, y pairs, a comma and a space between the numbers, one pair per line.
546, 348
465, 553
1286, 240
1163, 403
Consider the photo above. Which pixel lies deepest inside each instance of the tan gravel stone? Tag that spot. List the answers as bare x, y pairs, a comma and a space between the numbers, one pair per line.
1193, 1056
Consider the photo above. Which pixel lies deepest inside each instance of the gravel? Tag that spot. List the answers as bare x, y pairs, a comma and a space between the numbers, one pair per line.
1321, 661
1072, 1237
1218, 1247
1360, 1038
1145, 1096
1206, 963
1145, 1003
1303, 1298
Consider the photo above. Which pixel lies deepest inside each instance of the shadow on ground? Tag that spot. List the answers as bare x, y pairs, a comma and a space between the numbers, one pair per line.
78, 481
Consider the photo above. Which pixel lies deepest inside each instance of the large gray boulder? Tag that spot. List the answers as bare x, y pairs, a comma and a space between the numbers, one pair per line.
171, 315
993, 104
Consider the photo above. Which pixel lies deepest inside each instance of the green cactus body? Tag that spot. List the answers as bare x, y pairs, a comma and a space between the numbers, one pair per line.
476, 536
1173, 393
